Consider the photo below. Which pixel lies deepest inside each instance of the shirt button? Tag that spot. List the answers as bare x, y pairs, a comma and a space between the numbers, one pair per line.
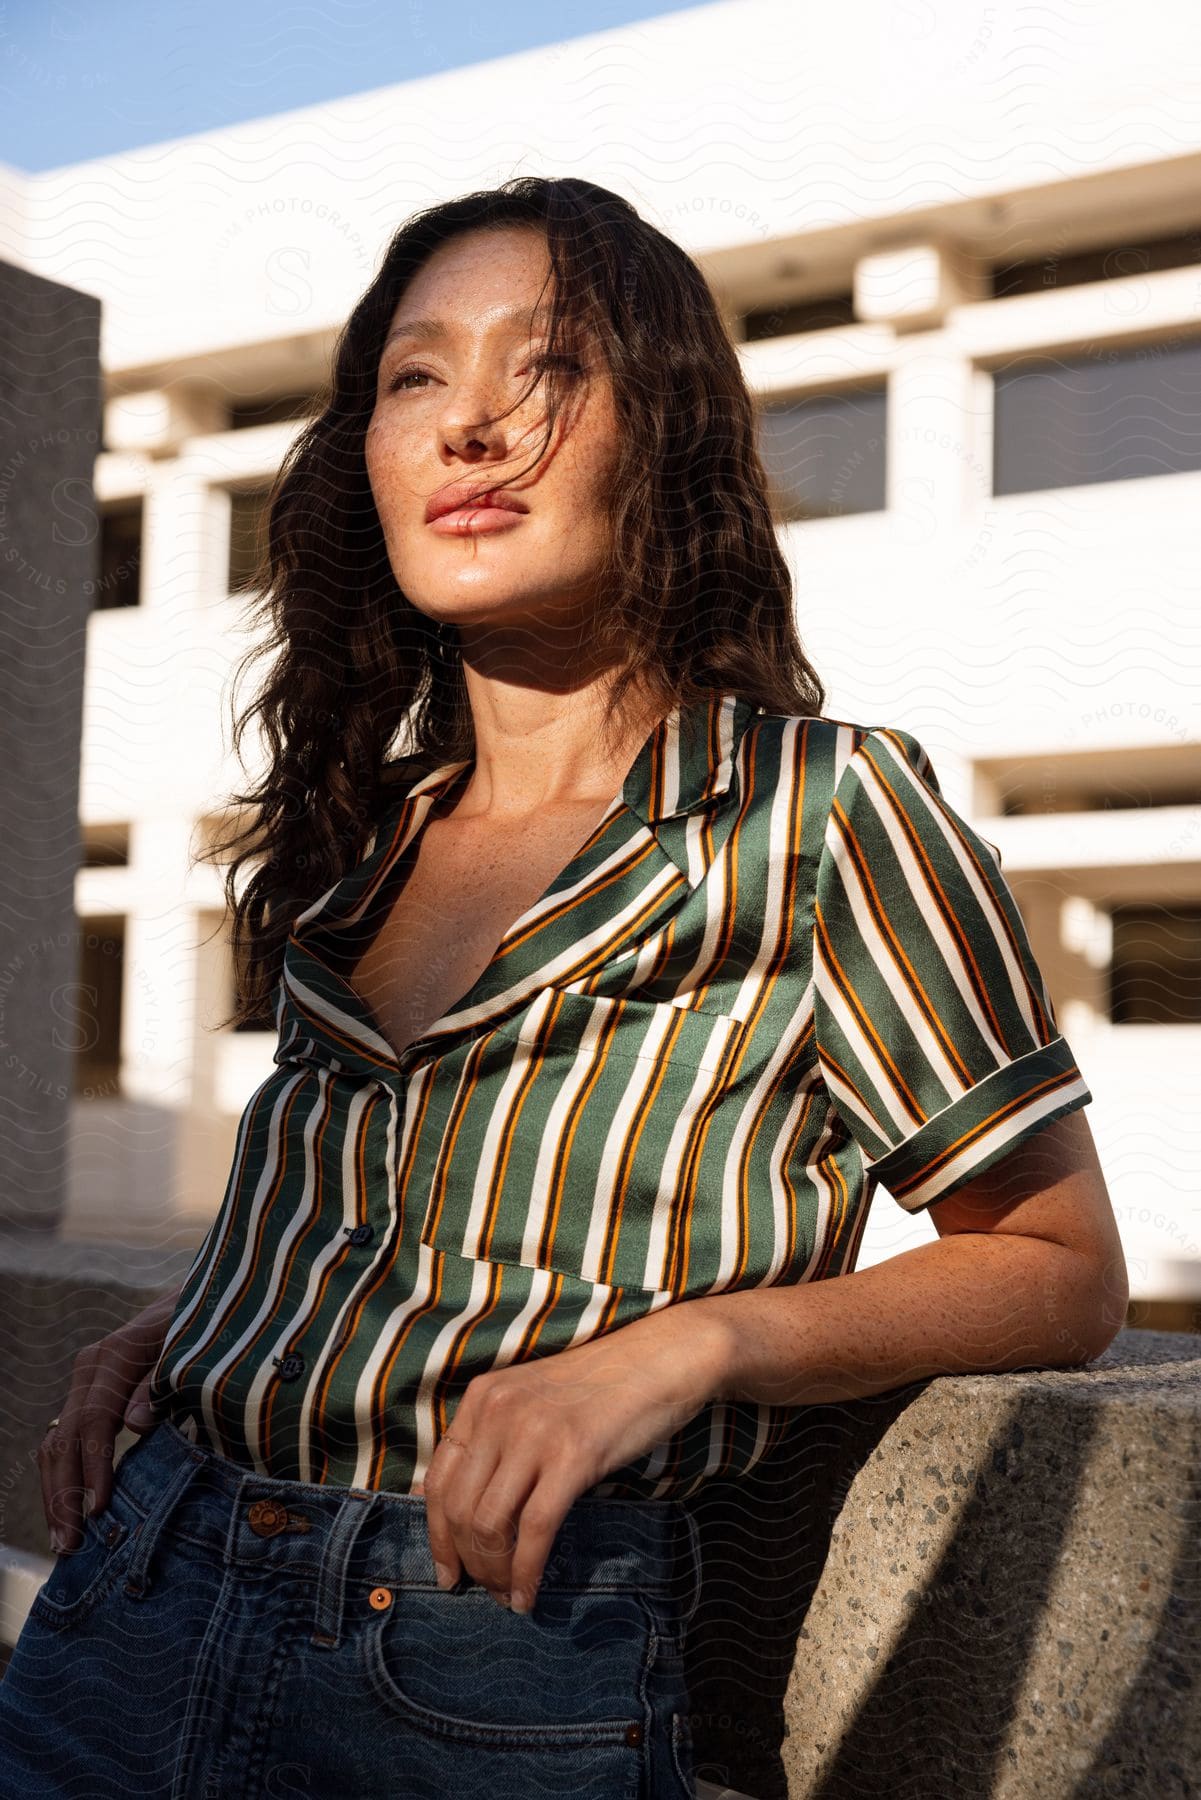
359, 1234
289, 1366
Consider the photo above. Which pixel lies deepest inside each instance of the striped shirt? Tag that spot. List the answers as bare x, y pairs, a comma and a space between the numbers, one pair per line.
780, 971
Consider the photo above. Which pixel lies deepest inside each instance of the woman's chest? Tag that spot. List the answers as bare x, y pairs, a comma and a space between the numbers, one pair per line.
465, 887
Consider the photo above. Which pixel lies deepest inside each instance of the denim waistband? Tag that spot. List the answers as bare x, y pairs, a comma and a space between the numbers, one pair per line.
255, 1521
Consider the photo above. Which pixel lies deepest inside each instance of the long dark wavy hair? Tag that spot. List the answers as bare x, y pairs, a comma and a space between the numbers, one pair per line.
698, 595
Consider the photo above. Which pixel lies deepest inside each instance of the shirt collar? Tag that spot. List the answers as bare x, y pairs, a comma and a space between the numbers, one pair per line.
685, 762
685, 767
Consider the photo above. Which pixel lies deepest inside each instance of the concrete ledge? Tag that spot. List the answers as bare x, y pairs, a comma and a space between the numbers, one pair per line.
976, 1586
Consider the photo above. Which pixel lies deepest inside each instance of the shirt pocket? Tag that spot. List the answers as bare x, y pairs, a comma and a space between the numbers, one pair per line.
573, 1141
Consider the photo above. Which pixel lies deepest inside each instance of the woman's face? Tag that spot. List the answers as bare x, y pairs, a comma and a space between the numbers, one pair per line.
462, 345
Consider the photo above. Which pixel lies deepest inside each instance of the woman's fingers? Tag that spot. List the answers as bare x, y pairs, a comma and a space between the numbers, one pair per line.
499, 1485
456, 1476
60, 1468
499, 1527
501, 1540
75, 1458
140, 1415
485, 1541
541, 1517
100, 1419
49, 1458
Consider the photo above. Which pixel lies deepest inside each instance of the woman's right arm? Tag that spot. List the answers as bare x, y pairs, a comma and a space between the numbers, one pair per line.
110, 1383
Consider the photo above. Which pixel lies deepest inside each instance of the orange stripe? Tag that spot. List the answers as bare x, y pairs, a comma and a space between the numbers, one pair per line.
974, 1132
843, 983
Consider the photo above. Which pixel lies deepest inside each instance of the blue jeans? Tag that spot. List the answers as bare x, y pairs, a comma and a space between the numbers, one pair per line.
223, 1636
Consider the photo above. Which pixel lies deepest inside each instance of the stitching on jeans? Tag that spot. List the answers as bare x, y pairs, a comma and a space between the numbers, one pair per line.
452, 1728
63, 1618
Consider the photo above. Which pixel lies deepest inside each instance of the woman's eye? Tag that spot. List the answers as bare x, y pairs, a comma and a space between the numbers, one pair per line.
397, 382
559, 360
400, 382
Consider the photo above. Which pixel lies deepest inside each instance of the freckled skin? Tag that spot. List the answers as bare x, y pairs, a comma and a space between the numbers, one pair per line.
441, 426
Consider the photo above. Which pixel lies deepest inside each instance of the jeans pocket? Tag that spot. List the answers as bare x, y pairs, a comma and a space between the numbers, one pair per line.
82, 1577
568, 1675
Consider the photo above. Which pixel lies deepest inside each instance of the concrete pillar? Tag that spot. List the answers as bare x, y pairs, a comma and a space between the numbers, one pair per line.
50, 411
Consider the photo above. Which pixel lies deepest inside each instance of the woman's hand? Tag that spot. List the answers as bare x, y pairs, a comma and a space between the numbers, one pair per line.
110, 1382
527, 1440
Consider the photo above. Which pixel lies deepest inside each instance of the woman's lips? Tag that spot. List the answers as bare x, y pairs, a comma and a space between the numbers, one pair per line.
473, 518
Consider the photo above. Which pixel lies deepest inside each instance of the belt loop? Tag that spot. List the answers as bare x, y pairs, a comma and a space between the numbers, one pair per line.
694, 1545
331, 1584
137, 1577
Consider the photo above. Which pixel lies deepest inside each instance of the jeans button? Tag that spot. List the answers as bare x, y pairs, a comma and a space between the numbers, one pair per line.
633, 1736
266, 1517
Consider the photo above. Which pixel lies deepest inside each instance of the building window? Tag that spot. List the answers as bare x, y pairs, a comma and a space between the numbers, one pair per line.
1113, 415
247, 536
824, 453
1164, 1315
821, 313
119, 577
1155, 974
104, 847
1113, 780
278, 410
1102, 262
92, 1012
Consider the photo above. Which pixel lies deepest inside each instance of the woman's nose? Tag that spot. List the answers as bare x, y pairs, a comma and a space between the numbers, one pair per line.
479, 438
472, 410
487, 409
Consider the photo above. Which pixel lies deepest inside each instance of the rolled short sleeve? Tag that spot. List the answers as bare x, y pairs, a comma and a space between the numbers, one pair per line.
935, 1032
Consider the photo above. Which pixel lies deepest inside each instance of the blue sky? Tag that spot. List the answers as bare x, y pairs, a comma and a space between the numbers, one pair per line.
85, 78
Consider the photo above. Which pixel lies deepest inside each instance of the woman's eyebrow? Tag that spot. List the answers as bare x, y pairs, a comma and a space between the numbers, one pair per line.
427, 328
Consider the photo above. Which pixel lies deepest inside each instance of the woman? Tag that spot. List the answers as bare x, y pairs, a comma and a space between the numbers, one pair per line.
600, 1013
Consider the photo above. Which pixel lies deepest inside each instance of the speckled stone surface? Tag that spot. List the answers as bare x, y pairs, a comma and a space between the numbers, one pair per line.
978, 1586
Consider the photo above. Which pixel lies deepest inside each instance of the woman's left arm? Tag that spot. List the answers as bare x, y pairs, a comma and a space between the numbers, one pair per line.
1027, 1271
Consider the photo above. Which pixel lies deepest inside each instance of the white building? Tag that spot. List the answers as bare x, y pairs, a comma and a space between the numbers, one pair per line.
961, 249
